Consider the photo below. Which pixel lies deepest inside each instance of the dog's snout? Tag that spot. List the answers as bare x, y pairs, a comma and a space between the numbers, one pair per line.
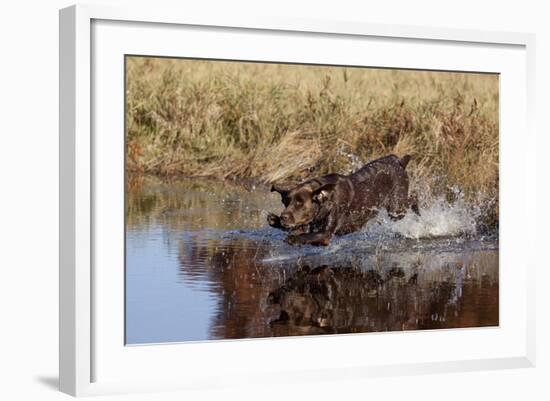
286, 218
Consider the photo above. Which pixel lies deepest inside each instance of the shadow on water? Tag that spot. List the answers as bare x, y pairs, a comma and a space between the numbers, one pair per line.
203, 264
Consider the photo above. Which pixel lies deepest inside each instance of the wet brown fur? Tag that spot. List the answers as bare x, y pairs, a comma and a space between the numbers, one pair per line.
336, 204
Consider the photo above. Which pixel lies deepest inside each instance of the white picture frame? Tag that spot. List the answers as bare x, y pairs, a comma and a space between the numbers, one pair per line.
91, 37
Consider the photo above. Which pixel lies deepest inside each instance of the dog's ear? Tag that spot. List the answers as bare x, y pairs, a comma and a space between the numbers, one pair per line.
323, 193
281, 189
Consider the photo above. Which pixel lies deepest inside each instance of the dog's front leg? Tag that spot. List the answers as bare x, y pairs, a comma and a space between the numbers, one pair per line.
312, 239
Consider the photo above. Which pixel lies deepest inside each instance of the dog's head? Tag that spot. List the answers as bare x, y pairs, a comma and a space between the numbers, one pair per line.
302, 203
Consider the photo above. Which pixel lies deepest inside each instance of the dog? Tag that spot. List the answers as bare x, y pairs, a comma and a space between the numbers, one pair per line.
335, 204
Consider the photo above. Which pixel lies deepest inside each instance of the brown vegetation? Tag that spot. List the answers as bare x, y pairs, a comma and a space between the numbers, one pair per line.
276, 122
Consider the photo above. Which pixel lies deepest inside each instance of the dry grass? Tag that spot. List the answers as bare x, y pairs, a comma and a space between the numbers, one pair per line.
285, 123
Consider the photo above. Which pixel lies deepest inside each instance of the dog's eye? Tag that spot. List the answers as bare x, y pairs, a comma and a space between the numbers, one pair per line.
299, 203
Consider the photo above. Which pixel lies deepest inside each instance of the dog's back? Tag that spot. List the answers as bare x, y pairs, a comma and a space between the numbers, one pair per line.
382, 183
388, 164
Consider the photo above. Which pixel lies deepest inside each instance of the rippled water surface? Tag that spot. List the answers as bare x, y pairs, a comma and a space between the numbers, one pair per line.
202, 264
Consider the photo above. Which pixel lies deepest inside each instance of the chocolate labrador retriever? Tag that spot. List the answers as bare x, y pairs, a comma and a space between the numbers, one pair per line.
336, 204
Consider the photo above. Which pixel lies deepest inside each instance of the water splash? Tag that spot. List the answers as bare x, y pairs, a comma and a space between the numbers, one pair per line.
438, 219
355, 163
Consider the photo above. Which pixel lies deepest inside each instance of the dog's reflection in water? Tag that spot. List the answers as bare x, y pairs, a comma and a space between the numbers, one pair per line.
345, 300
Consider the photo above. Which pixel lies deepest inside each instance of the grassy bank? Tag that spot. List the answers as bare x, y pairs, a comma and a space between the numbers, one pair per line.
286, 123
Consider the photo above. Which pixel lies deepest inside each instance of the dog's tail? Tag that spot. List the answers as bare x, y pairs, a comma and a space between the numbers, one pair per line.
405, 160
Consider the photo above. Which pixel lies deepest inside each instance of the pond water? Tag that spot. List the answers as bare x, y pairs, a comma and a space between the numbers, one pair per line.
202, 264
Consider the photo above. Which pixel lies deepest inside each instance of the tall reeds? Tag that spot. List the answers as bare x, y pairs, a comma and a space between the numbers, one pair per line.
275, 122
